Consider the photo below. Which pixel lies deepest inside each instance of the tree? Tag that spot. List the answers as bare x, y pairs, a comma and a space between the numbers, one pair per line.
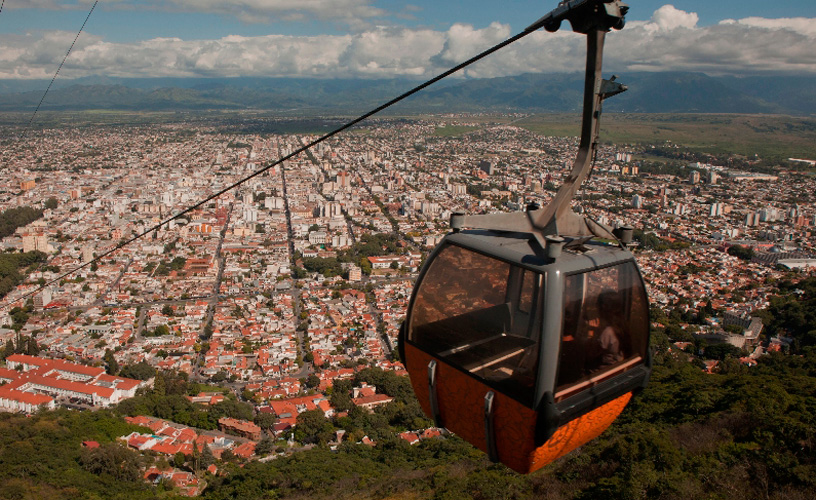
265, 420
340, 396
139, 371
248, 395
722, 351
265, 446
167, 310
313, 427
30, 346
8, 350
161, 330
207, 458
741, 252
51, 203
112, 366
114, 460
312, 381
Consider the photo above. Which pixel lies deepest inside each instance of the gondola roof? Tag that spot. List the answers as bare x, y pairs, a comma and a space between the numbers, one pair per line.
524, 250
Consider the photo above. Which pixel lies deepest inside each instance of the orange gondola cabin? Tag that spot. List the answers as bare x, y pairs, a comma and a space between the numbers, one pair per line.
527, 333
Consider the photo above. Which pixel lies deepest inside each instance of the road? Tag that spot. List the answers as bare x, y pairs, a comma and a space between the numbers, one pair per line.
213, 298
375, 313
297, 293
140, 321
220, 260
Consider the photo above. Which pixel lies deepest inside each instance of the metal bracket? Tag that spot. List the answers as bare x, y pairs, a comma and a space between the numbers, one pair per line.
490, 433
611, 87
432, 394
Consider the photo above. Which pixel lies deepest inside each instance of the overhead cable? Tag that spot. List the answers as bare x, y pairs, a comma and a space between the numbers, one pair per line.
25, 130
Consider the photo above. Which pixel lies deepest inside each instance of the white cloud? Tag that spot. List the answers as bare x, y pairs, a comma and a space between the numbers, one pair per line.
668, 17
673, 41
384, 51
670, 40
463, 41
802, 25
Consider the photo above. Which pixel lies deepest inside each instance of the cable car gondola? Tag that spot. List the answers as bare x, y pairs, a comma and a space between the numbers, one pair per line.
528, 332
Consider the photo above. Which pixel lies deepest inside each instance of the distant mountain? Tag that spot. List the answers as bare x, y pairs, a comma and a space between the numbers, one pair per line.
672, 92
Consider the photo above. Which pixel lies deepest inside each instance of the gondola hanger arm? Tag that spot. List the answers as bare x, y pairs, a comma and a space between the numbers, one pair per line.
594, 18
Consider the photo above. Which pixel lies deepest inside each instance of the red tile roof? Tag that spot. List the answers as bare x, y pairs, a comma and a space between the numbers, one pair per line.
24, 397
68, 385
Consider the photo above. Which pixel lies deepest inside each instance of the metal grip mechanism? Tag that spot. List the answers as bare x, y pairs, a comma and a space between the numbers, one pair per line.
584, 16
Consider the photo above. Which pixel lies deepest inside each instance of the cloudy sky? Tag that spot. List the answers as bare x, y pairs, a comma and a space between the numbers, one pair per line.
387, 38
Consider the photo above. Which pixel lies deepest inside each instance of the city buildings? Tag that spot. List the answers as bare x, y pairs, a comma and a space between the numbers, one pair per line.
307, 269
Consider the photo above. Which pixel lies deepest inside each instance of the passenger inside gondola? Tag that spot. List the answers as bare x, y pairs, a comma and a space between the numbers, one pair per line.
605, 333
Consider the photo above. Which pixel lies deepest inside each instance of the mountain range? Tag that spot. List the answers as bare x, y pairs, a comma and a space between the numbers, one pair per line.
667, 92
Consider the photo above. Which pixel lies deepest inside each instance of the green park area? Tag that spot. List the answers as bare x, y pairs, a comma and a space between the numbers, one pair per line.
768, 136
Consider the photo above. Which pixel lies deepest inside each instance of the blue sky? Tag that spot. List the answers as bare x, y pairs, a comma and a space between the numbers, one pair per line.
386, 38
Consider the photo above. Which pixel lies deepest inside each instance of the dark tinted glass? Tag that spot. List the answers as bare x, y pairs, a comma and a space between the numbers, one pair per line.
606, 326
481, 315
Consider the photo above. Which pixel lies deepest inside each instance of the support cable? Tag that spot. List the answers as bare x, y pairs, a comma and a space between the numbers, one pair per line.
25, 130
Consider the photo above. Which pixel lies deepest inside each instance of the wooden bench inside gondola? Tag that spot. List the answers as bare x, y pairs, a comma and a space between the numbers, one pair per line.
476, 340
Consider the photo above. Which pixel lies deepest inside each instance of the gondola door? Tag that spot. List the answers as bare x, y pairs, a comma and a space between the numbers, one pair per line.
476, 333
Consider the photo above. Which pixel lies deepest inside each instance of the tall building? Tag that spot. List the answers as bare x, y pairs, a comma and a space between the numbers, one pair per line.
331, 209
167, 198
43, 298
752, 219
250, 214
343, 180
87, 253
716, 210
340, 241
768, 214
355, 273
32, 242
